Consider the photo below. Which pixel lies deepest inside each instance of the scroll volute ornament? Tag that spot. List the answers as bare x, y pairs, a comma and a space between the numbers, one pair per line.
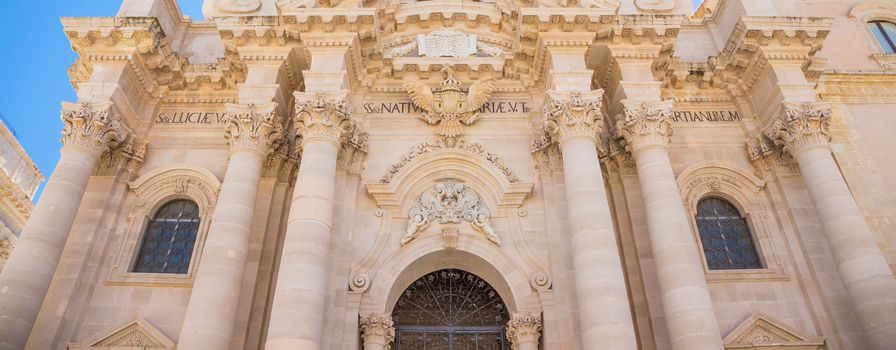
91, 126
323, 115
524, 328
645, 124
569, 115
253, 127
803, 126
378, 329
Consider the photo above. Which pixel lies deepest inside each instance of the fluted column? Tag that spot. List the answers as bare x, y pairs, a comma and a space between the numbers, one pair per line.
523, 331
690, 317
251, 131
297, 316
869, 282
573, 119
89, 130
377, 331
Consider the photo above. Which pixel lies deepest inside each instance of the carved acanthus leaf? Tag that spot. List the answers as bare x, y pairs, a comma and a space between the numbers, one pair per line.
92, 127
253, 127
645, 124
524, 328
323, 115
803, 126
378, 329
461, 145
6, 248
574, 114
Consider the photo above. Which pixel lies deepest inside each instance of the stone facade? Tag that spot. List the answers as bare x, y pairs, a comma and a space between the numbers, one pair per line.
19, 179
338, 151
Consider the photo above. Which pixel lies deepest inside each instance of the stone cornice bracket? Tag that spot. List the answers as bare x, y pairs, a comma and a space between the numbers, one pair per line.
573, 115
324, 115
377, 329
92, 127
253, 127
524, 328
802, 127
645, 124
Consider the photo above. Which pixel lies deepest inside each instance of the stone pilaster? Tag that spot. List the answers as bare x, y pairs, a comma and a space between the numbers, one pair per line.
89, 131
252, 131
377, 331
803, 132
690, 317
573, 119
324, 122
524, 330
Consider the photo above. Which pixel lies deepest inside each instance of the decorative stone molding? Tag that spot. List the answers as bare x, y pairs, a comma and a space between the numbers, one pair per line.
238, 6
571, 115
524, 328
769, 159
763, 331
129, 156
253, 127
377, 329
281, 162
461, 145
645, 124
803, 126
323, 115
6, 248
446, 42
876, 10
448, 106
655, 5
449, 203
133, 333
92, 127
353, 152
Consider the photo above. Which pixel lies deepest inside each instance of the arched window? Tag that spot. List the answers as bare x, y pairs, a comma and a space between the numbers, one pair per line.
726, 238
885, 33
169, 238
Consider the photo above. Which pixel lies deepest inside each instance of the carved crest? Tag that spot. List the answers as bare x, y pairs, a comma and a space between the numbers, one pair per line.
763, 329
446, 42
448, 106
449, 203
133, 333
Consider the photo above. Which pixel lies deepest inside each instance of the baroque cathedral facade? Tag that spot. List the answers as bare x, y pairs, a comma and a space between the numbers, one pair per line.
459, 174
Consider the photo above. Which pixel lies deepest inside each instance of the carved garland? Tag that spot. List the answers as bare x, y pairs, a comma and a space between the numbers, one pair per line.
462, 145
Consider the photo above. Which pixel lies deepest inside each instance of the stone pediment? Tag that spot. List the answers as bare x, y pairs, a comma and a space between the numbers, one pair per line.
763, 331
133, 333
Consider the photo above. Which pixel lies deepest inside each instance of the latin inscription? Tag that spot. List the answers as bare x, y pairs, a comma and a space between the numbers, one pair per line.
407, 107
719, 116
191, 118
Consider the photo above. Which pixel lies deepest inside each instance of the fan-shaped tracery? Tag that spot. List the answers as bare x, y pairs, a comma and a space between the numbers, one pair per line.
450, 309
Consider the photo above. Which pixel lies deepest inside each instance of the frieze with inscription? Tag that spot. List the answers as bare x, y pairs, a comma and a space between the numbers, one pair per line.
408, 107
211, 118
706, 116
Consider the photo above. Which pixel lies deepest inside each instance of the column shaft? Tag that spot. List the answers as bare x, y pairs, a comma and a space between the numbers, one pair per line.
211, 313
297, 314
863, 268
29, 271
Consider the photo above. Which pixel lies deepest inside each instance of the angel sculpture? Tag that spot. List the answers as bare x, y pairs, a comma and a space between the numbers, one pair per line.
448, 106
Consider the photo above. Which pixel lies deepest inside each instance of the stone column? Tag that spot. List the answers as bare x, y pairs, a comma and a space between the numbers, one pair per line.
869, 282
523, 331
89, 130
377, 331
690, 317
573, 119
323, 121
251, 131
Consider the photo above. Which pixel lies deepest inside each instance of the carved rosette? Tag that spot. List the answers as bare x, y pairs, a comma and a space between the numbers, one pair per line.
803, 126
645, 124
253, 127
377, 329
324, 116
571, 115
524, 328
92, 127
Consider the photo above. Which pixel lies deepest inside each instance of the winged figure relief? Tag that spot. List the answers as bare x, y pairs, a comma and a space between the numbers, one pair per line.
448, 106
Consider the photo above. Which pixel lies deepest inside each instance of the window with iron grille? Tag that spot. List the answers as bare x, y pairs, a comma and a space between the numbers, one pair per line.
885, 33
169, 239
725, 235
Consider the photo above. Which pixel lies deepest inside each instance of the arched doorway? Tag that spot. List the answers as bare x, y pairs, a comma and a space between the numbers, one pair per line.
450, 310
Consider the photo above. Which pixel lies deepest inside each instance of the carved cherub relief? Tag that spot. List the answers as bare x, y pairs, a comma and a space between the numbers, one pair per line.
449, 203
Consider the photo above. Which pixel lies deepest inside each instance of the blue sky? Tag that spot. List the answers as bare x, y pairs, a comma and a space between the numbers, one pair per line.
36, 55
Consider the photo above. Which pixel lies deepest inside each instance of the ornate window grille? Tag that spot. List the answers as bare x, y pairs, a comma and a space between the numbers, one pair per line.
450, 310
885, 33
727, 241
169, 239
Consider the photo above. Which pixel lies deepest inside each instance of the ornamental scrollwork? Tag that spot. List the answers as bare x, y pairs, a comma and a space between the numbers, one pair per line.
461, 145
645, 124
253, 127
569, 115
378, 329
92, 127
323, 115
449, 203
802, 127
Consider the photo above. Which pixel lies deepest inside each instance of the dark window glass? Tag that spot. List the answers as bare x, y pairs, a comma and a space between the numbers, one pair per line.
169, 239
885, 33
726, 238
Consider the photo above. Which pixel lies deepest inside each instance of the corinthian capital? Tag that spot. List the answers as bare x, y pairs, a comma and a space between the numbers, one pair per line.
378, 329
524, 328
645, 124
323, 116
575, 114
91, 126
253, 127
803, 126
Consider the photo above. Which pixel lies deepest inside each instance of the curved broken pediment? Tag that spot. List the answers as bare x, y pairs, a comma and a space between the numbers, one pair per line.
132, 333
